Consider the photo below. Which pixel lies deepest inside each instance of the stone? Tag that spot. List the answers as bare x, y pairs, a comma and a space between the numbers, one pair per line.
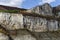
23, 35
44, 9
16, 21
11, 21
41, 25
25, 25
47, 9
36, 9
3, 37
35, 23
52, 25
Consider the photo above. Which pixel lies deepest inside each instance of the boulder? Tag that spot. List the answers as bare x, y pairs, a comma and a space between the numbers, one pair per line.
3, 37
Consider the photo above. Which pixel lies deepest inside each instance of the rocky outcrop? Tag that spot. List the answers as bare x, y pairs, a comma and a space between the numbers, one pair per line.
56, 10
11, 21
45, 9
52, 25
3, 37
39, 23
36, 24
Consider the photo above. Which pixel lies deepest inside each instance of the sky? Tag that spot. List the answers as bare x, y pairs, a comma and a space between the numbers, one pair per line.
27, 4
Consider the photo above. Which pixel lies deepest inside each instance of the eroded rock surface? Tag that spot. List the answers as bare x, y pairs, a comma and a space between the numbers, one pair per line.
52, 25
23, 35
3, 37
36, 24
45, 9
11, 21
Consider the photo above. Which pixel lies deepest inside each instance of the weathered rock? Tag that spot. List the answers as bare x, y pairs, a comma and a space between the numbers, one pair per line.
23, 35
56, 10
3, 37
45, 9
35, 23
52, 25
36, 9
11, 21
41, 25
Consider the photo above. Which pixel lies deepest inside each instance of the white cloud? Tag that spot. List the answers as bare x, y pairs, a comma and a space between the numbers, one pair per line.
12, 2
46, 1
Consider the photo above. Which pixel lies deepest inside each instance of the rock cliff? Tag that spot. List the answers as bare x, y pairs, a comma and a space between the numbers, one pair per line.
38, 23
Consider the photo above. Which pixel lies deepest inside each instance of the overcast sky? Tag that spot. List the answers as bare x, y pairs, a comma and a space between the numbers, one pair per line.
28, 3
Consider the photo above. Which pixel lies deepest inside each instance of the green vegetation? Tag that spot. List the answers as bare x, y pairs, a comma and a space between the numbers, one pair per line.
10, 11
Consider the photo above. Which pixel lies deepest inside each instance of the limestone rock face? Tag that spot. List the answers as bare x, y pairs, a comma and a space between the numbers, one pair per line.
45, 9
53, 25
35, 23
29, 26
41, 25
3, 37
35, 9
11, 21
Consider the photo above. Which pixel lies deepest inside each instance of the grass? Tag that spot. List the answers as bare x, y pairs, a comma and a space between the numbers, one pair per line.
10, 11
